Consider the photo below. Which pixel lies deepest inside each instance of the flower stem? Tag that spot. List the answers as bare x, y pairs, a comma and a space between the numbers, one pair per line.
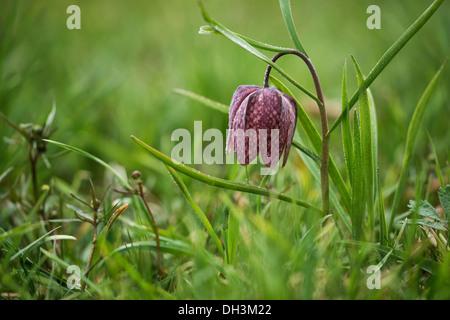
324, 164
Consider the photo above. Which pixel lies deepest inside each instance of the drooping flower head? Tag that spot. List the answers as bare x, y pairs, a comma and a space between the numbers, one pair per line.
262, 121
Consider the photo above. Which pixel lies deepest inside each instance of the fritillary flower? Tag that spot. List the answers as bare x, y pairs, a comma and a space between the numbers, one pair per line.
262, 121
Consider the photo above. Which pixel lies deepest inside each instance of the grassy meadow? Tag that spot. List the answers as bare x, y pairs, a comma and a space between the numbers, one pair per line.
72, 203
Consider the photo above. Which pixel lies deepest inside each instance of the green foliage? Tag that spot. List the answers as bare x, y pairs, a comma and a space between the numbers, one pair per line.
285, 6
358, 185
413, 131
367, 141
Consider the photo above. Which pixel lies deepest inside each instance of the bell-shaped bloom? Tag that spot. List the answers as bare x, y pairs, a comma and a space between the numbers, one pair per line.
261, 121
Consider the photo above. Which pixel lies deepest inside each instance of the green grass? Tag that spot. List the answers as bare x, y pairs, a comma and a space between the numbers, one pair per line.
221, 231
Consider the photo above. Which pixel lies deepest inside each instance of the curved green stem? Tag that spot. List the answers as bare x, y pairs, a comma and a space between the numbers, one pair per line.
324, 164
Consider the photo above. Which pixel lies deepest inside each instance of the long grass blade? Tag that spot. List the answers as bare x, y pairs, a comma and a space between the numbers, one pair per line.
382, 214
172, 248
48, 123
200, 214
358, 181
245, 45
221, 183
367, 141
374, 131
285, 6
231, 237
346, 129
122, 181
66, 265
203, 100
19, 230
37, 242
257, 44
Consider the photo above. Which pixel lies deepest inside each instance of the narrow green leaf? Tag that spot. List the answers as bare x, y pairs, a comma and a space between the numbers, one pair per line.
232, 237
179, 182
203, 100
24, 252
367, 142
176, 248
383, 226
245, 45
346, 129
285, 6
374, 132
385, 258
400, 234
389, 55
218, 182
425, 209
357, 181
64, 220
47, 129
122, 181
257, 44
19, 230
63, 264
60, 237
413, 131
5, 173
306, 151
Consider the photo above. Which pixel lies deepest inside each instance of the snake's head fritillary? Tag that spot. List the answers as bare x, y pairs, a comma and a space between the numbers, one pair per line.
261, 120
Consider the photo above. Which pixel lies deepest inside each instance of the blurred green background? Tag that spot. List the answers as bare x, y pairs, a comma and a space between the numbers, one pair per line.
114, 77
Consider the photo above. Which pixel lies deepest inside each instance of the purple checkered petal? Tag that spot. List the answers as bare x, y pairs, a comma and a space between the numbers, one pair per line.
239, 96
289, 123
254, 113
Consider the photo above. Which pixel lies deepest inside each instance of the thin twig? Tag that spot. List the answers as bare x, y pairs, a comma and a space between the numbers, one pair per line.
155, 227
91, 253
